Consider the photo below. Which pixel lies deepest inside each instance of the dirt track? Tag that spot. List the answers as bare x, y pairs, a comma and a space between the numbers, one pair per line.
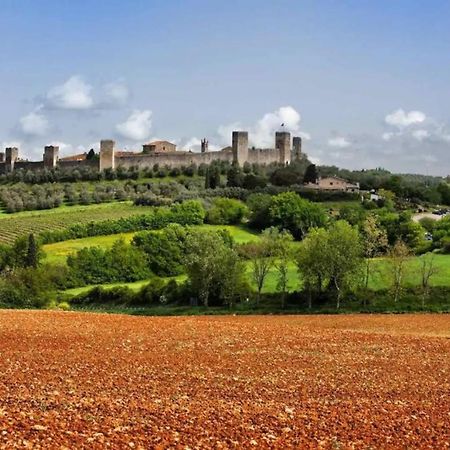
70, 380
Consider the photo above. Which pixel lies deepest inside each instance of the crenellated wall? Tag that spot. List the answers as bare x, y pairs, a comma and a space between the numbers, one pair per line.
175, 159
239, 153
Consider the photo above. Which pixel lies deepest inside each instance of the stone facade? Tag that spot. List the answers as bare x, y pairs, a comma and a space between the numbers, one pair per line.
51, 156
162, 153
107, 160
159, 147
239, 144
296, 148
334, 184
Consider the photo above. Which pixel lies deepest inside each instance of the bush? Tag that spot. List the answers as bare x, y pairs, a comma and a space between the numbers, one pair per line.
26, 288
164, 250
227, 211
94, 265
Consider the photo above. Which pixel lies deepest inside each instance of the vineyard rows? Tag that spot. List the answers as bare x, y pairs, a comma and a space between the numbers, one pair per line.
15, 225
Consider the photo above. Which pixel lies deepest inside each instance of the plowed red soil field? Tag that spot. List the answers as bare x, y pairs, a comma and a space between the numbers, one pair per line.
79, 380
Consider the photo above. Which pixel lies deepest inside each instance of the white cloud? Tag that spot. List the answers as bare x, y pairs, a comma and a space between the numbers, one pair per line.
304, 135
116, 92
224, 132
75, 94
34, 124
195, 144
339, 142
402, 119
387, 136
262, 133
420, 135
137, 127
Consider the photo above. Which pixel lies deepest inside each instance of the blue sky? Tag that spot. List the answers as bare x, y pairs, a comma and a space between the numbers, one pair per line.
367, 83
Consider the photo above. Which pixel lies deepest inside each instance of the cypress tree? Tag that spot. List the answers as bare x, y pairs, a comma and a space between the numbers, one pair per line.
31, 259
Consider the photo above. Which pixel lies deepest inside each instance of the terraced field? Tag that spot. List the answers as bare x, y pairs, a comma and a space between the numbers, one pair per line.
24, 223
94, 381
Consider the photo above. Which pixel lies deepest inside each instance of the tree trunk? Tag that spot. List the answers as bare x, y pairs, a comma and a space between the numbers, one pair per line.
309, 298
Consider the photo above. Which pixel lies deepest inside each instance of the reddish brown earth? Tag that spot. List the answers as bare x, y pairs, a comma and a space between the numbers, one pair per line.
73, 380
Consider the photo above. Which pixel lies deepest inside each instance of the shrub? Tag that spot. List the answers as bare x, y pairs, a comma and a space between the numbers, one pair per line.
227, 211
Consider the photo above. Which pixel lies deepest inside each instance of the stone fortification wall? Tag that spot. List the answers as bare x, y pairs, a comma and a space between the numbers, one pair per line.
263, 156
93, 163
238, 153
175, 159
28, 165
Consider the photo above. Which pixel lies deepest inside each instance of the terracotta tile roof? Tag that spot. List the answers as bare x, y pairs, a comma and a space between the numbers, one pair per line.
80, 157
160, 142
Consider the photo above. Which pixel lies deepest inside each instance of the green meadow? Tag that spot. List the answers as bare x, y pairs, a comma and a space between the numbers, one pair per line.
59, 251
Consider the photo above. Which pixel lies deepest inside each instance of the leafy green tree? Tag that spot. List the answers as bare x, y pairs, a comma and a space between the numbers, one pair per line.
398, 259
190, 212
428, 270
164, 249
291, 212
375, 243
313, 262
345, 256
282, 253
333, 256
235, 177
227, 211
212, 177
354, 214
213, 268
32, 258
126, 262
259, 207
311, 174
261, 257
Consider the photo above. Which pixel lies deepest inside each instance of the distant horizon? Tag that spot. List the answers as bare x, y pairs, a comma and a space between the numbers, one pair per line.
365, 84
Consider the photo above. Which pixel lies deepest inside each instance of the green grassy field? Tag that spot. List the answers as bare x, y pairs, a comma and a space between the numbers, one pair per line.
26, 222
58, 252
378, 281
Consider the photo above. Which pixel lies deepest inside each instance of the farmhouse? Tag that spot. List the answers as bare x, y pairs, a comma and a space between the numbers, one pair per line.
334, 184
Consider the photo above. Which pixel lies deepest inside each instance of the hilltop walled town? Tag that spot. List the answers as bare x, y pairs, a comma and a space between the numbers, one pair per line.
163, 153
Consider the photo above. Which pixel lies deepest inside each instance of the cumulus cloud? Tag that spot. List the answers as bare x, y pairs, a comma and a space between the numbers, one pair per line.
402, 119
34, 123
339, 142
74, 94
387, 136
261, 134
137, 127
116, 92
304, 135
224, 132
420, 135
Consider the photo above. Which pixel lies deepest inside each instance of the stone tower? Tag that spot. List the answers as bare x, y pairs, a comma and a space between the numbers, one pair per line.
204, 145
51, 156
11, 156
240, 147
297, 147
107, 154
283, 145
2, 157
